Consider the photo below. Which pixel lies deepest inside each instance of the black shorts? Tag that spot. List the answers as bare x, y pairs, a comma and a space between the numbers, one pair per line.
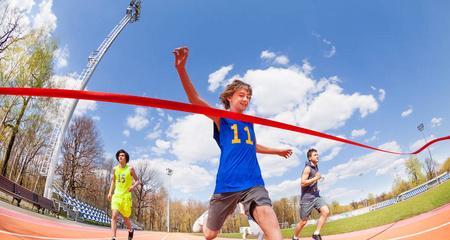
223, 204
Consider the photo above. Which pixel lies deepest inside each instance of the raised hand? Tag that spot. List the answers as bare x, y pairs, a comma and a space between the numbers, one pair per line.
181, 55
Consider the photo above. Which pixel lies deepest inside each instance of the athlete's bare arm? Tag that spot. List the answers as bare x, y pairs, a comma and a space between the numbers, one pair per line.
113, 185
135, 179
267, 150
304, 179
181, 55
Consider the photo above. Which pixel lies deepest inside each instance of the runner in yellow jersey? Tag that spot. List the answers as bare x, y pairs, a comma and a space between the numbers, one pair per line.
123, 181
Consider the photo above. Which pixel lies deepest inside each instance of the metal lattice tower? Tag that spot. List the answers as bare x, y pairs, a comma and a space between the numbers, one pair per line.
48, 166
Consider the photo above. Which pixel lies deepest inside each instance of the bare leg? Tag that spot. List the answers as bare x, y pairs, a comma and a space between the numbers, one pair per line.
209, 234
267, 220
114, 222
128, 223
299, 228
324, 212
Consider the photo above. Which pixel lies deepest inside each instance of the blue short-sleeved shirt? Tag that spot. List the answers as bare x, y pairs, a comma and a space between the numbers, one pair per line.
238, 168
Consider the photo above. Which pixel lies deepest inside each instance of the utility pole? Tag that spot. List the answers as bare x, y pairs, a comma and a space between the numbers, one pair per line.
50, 160
421, 127
169, 173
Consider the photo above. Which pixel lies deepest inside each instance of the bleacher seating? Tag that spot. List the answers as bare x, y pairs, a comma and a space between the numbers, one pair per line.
383, 204
84, 210
412, 192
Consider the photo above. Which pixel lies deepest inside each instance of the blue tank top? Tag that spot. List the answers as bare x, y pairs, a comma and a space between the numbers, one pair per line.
310, 192
238, 167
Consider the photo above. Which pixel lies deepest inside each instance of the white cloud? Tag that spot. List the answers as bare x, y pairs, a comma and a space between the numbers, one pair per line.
267, 55
436, 121
373, 138
96, 118
331, 108
216, 78
186, 178
139, 120
21, 5
160, 112
274, 58
334, 152
281, 60
407, 112
45, 19
71, 82
61, 56
340, 192
155, 133
161, 147
332, 51
358, 132
32, 19
275, 166
328, 149
306, 67
371, 162
85, 106
286, 188
381, 94
278, 89
396, 168
192, 139
419, 143
126, 132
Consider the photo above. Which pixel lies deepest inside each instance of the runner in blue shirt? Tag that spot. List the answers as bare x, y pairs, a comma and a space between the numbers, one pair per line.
239, 176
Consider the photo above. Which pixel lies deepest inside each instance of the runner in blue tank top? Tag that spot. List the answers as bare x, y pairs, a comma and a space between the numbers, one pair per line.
310, 198
239, 176
238, 167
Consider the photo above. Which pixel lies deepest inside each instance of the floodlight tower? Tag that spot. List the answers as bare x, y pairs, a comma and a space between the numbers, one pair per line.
51, 157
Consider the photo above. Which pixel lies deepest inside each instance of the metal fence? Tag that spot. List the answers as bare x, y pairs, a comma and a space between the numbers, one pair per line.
412, 192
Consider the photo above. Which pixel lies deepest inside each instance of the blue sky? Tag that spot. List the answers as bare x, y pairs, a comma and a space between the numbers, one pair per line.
369, 71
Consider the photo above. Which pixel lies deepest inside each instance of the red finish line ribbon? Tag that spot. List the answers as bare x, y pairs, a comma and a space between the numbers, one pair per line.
184, 107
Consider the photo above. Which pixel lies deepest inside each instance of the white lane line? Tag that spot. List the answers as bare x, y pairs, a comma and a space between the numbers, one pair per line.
164, 238
56, 224
56, 238
53, 238
422, 232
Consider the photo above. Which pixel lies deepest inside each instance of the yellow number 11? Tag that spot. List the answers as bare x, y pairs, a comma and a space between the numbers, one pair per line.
236, 137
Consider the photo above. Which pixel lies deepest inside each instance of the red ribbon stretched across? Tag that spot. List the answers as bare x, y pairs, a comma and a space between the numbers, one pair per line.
184, 107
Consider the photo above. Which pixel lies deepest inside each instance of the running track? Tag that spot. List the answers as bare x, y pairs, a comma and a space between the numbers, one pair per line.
17, 223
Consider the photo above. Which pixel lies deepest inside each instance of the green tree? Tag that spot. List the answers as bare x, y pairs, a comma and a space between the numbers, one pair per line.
399, 185
28, 64
414, 170
445, 166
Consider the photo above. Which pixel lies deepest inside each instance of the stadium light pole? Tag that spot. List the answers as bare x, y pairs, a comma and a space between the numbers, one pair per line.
169, 173
421, 127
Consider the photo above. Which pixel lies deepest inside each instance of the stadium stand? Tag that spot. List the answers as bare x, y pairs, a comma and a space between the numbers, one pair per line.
81, 211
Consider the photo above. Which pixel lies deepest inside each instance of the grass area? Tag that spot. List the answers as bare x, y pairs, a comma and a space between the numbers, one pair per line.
429, 200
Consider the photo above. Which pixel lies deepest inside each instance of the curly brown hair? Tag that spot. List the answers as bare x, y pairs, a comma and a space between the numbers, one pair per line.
231, 88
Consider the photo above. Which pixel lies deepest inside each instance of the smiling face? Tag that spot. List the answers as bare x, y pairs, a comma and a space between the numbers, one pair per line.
240, 100
236, 96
